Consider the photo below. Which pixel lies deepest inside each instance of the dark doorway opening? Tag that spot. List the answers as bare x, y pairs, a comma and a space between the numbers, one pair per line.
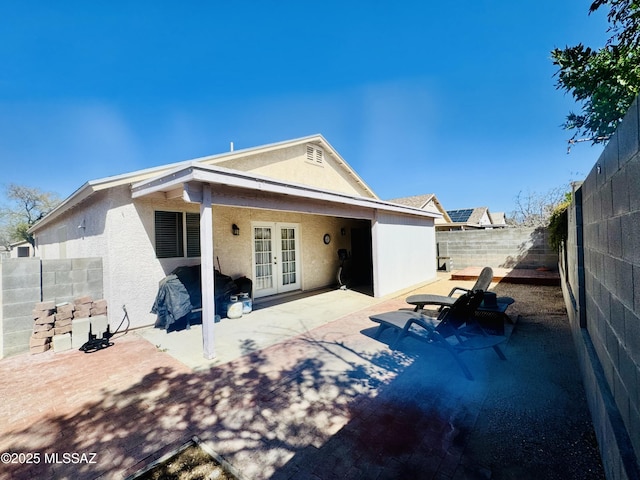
361, 258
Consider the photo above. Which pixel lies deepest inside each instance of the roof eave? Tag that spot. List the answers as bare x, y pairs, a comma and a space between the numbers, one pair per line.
196, 172
92, 186
77, 197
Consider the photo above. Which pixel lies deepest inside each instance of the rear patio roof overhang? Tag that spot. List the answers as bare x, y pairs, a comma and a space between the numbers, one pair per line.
210, 185
243, 189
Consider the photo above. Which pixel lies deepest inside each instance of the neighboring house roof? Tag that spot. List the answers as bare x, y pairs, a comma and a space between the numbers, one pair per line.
478, 217
161, 175
20, 243
427, 202
471, 216
498, 218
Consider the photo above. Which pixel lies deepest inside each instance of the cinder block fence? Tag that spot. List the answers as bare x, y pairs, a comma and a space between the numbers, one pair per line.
25, 282
521, 247
601, 284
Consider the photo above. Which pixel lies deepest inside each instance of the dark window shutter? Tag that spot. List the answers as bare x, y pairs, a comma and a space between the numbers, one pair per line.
168, 227
193, 234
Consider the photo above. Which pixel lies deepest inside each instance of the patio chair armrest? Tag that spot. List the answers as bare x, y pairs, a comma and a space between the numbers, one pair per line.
455, 290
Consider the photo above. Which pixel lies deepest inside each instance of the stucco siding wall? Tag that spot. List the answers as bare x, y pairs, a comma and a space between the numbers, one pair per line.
319, 261
122, 233
404, 252
291, 165
78, 233
132, 271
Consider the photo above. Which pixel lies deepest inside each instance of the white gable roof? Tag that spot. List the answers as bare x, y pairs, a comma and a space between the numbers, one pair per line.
93, 186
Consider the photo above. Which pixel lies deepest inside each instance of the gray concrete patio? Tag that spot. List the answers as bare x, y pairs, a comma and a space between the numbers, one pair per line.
326, 402
270, 322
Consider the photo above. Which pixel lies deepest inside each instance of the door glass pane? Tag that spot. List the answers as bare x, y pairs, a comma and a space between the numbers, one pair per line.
262, 245
288, 255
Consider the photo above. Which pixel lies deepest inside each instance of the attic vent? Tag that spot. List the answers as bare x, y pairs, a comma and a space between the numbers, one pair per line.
315, 155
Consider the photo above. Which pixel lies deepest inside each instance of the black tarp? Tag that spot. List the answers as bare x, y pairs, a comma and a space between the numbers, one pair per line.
172, 302
180, 293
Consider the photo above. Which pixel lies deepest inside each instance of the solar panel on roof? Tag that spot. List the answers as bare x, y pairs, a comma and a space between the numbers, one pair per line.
460, 216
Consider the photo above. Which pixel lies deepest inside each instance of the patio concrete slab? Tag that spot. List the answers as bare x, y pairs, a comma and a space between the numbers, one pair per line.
269, 323
328, 403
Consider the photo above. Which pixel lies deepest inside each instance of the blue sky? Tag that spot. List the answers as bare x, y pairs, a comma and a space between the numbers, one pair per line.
417, 96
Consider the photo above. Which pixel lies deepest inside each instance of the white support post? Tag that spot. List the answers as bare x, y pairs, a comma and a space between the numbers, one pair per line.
375, 247
207, 274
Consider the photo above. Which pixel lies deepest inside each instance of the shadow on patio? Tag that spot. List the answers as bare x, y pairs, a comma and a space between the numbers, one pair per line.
329, 403
273, 320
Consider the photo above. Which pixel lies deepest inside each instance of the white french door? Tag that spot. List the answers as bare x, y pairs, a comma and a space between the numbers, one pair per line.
276, 258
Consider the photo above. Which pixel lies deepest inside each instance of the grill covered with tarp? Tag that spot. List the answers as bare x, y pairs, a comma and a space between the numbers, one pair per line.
178, 303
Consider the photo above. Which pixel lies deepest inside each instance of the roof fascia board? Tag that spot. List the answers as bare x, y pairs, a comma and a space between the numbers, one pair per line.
81, 194
126, 178
444, 213
346, 165
242, 180
233, 154
92, 186
427, 200
231, 197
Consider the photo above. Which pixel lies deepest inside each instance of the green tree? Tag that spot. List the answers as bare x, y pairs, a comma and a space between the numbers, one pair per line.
606, 81
26, 206
624, 16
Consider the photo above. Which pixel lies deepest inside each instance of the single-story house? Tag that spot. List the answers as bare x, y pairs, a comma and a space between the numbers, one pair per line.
428, 202
276, 214
462, 219
21, 249
473, 219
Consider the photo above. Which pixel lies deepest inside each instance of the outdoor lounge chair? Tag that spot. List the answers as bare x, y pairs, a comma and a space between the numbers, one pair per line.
492, 307
482, 283
455, 329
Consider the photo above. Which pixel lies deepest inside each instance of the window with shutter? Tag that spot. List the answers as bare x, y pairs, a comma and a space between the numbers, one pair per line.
169, 241
174, 230
193, 234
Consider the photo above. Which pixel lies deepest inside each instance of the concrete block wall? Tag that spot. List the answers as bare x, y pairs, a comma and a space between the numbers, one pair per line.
27, 281
605, 284
572, 260
522, 247
19, 292
64, 280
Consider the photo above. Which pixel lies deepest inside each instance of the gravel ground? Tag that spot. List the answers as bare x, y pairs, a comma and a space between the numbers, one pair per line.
552, 437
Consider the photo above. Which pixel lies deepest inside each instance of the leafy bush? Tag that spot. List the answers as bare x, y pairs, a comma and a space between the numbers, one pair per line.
559, 223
